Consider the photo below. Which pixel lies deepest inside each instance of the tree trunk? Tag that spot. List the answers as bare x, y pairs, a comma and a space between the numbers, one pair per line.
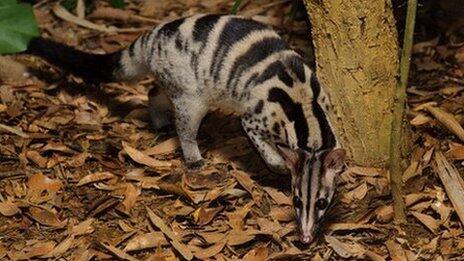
357, 61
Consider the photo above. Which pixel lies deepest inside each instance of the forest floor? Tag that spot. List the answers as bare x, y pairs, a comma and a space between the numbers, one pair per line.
83, 175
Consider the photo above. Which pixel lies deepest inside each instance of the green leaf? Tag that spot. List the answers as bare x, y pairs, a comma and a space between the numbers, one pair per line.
117, 3
7, 2
17, 26
236, 6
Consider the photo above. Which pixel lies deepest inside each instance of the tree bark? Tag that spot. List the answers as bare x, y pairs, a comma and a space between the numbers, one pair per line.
357, 61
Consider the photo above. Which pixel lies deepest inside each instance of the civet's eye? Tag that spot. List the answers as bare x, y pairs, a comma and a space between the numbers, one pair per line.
297, 202
321, 203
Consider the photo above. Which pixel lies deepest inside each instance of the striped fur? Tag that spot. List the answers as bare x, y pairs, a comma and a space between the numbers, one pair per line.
240, 66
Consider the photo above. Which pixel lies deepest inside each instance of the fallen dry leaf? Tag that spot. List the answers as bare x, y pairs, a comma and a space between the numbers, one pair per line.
131, 194
38, 184
282, 214
421, 206
16, 131
267, 226
37, 250
345, 250
159, 223
95, 177
145, 241
118, 252
352, 226
239, 237
237, 218
212, 237
210, 251
11, 70
61, 248
79, 160
451, 90
46, 217
62, 13
374, 256
456, 151
411, 171
144, 159
125, 227
357, 193
411, 199
432, 245
443, 210
420, 119
173, 188
119, 14
167, 146
203, 215
448, 120
279, 197
431, 223
396, 251
452, 181
364, 171
35, 157
360, 192
384, 213
248, 184
83, 228
8, 208
257, 254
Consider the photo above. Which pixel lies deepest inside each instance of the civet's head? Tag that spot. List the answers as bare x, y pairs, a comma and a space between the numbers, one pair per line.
313, 185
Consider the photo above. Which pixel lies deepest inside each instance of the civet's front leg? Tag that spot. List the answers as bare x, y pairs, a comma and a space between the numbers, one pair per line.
271, 156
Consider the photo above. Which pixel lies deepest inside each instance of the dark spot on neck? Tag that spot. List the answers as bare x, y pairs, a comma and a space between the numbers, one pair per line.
276, 128
259, 107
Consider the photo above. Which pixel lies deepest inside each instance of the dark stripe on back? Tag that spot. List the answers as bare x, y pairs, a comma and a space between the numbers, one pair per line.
328, 137
201, 30
171, 28
276, 68
234, 30
256, 53
203, 26
294, 112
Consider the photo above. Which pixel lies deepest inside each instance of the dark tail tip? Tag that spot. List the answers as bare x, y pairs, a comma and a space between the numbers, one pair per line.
91, 67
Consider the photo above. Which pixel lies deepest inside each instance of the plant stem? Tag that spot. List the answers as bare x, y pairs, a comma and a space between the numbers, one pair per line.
396, 142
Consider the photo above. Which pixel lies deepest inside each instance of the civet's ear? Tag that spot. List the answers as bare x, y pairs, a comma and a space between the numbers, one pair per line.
293, 158
335, 160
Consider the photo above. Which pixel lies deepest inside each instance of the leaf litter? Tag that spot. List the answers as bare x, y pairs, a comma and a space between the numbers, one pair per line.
83, 172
